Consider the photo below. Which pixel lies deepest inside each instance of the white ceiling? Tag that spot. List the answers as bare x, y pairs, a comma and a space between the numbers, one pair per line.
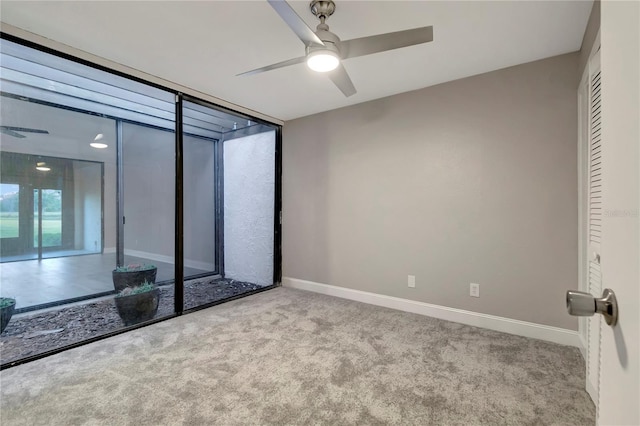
204, 44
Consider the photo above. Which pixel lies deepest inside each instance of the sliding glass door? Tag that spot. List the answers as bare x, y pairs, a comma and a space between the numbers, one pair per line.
199, 194
53, 208
229, 204
109, 192
201, 133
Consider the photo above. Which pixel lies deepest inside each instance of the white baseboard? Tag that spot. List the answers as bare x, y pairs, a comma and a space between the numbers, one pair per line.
109, 250
491, 322
582, 336
582, 345
204, 266
196, 264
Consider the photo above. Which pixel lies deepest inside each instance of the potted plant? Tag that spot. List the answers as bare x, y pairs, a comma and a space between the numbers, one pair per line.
138, 303
133, 275
7, 305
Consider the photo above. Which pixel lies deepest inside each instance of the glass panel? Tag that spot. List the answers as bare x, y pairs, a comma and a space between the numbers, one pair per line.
201, 133
199, 206
9, 210
247, 150
71, 192
59, 169
149, 198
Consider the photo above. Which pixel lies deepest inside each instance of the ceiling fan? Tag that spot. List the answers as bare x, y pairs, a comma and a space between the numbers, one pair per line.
324, 50
13, 131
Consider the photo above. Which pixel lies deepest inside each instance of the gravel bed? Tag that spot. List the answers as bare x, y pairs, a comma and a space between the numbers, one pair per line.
35, 333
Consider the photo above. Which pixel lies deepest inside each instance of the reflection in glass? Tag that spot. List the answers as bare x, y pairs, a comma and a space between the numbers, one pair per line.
9, 210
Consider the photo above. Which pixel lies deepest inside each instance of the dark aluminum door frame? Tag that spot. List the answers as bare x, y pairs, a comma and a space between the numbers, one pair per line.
218, 199
178, 298
277, 226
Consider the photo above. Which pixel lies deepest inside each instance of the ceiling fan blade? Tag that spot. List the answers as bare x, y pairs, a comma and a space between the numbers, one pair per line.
295, 22
24, 129
383, 42
341, 79
275, 66
11, 133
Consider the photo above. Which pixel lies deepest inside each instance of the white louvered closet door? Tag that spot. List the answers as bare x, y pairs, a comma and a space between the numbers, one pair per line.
594, 141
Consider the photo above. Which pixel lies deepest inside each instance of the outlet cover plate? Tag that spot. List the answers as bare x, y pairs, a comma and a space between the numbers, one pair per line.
474, 290
411, 281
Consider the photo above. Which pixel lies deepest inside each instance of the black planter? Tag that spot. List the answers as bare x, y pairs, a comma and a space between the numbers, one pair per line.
139, 307
122, 280
5, 315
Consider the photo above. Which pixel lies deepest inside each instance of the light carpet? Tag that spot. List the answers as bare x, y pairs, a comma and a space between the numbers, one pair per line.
288, 356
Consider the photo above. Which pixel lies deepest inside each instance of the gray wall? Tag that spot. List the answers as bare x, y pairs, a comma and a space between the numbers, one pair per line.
249, 182
149, 191
469, 181
199, 204
87, 198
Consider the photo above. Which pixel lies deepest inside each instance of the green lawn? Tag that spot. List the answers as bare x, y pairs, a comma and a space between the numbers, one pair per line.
8, 225
51, 228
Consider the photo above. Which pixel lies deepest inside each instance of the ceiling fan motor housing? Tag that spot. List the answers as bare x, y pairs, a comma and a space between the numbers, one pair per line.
330, 40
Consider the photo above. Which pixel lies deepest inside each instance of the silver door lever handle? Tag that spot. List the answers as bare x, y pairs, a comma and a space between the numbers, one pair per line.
583, 304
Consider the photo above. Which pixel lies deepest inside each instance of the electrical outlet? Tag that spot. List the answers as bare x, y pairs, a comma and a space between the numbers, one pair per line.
474, 290
411, 281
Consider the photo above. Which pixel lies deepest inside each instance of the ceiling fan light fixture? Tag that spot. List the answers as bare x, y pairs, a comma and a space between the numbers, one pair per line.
323, 60
96, 142
42, 166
